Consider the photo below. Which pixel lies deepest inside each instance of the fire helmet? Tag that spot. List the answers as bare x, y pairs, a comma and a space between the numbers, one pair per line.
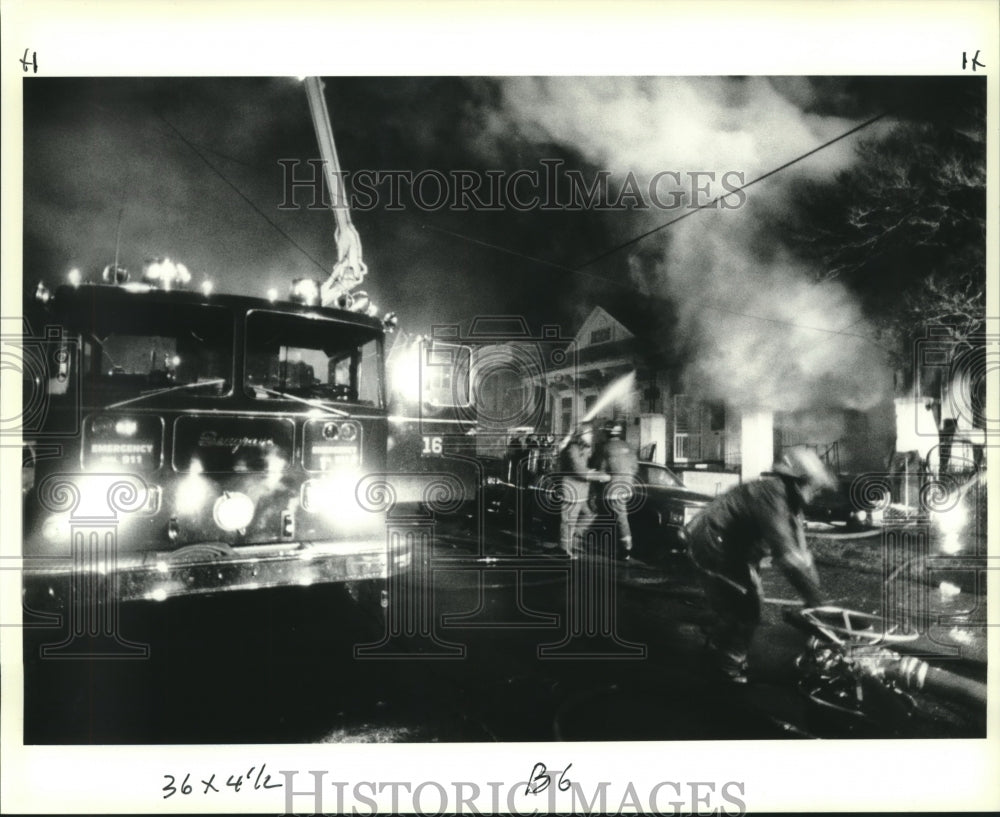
615, 428
804, 465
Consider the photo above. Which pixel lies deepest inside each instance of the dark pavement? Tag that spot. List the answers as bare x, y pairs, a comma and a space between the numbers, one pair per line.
494, 639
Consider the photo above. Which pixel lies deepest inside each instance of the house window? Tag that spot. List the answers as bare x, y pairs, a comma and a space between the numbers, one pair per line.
588, 402
713, 444
716, 416
650, 392
699, 430
687, 440
600, 336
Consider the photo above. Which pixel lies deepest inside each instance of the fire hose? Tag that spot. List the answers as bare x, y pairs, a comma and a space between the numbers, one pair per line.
915, 675
848, 651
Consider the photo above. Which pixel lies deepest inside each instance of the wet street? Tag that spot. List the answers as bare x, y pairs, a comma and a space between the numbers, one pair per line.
489, 639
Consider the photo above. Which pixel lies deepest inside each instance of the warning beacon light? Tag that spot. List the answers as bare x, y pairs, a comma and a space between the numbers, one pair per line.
305, 291
165, 274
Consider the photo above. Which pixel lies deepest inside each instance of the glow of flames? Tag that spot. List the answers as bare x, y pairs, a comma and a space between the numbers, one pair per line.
948, 590
950, 523
960, 635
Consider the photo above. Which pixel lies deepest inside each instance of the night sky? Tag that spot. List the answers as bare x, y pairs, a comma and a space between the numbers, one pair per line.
721, 286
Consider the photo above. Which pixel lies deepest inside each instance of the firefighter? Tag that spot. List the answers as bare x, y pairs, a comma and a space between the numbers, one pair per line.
731, 535
619, 461
577, 475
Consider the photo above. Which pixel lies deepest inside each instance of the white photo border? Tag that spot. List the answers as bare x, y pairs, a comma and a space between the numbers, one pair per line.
451, 38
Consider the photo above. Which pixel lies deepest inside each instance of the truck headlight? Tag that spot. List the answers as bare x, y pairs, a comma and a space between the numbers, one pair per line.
233, 511
334, 497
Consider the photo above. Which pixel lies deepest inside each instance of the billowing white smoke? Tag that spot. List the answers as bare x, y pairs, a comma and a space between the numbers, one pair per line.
765, 335
762, 332
649, 124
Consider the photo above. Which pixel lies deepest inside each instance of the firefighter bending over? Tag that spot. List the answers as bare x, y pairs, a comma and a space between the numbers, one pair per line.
619, 461
728, 539
574, 463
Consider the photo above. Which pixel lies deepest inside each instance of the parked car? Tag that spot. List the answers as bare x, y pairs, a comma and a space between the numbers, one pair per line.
666, 505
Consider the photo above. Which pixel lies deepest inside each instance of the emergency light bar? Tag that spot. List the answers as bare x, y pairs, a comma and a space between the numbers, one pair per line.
164, 273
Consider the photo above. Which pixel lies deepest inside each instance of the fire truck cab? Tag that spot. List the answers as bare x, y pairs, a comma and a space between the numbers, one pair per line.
180, 442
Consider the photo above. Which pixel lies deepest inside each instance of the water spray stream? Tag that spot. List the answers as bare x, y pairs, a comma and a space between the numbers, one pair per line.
616, 392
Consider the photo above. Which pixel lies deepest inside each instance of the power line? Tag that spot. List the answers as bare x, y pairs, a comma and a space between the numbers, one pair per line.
703, 302
216, 152
717, 199
578, 270
240, 193
795, 325
507, 250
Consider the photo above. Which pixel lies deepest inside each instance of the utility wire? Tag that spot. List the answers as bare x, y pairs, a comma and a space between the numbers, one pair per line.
507, 250
705, 302
717, 199
579, 270
240, 193
702, 301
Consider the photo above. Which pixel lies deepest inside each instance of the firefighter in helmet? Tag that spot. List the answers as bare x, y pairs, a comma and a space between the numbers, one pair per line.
731, 535
577, 475
619, 461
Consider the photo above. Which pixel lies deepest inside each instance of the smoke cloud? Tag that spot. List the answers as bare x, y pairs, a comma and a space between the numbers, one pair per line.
766, 335
760, 328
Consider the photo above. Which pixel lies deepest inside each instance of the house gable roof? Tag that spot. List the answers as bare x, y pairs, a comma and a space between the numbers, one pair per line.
600, 319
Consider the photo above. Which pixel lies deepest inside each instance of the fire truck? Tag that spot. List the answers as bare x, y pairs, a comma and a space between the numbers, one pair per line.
225, 438
180, 441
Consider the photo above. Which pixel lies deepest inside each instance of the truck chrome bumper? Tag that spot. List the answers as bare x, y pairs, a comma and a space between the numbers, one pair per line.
206, 568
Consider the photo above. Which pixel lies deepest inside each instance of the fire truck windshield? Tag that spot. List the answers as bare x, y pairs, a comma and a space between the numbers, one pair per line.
147, 349
307, 356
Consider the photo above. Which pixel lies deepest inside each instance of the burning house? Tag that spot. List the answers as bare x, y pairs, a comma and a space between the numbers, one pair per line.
713, 442
480, 392
490, 389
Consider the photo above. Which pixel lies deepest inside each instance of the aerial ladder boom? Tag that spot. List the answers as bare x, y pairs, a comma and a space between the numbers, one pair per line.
350, 269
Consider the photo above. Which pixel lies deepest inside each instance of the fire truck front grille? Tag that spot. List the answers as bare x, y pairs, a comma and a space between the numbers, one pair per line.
212, 444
